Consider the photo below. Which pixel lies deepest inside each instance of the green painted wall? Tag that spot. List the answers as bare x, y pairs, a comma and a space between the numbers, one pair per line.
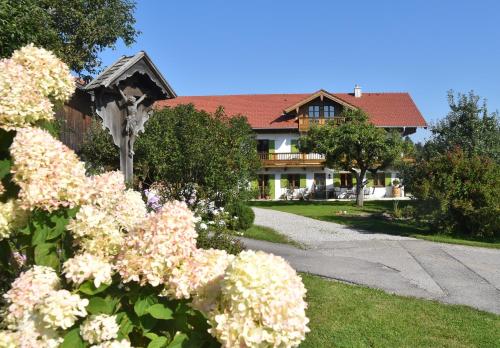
369, 177
284, 182
272, 187
303, 183
336, 180
272, 147
388, 180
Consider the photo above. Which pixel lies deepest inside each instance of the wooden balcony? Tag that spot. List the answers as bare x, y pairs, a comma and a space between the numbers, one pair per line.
305, 122
280, 160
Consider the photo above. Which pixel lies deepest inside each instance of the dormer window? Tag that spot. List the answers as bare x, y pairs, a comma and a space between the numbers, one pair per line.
314, 111
329, 111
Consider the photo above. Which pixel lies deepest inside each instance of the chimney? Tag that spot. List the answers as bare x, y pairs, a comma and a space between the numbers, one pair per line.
357, 91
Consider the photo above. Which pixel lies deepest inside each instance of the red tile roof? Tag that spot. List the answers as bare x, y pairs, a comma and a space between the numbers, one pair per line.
266, 110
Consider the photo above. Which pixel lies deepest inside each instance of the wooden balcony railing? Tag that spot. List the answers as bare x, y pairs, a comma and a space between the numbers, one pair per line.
305, 122
288, 159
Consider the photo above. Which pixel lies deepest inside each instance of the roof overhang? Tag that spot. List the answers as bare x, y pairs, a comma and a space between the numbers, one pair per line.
125, 67
319, 94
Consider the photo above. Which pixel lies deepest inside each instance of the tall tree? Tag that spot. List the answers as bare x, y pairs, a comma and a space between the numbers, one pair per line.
75, 30
468, 126
356, 146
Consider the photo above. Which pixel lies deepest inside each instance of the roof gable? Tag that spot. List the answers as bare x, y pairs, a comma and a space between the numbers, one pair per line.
319, 94
125, 67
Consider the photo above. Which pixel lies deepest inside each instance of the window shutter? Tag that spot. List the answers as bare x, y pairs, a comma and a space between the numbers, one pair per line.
295, 146
369, 177
388, 180
284, 182
336, 180
303, 182
272, 189
271, 146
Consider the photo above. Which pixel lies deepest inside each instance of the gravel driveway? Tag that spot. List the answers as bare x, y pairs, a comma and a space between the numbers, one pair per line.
407, 266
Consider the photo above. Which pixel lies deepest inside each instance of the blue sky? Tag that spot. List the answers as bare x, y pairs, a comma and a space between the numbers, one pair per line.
238, 47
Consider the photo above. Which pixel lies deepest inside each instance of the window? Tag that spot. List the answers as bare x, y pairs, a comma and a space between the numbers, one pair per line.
379, 179
314, 111
329, 111
293, 181
263, 145
345, 180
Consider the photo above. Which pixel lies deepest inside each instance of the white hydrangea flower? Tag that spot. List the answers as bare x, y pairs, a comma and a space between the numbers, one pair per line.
28, 290
200, 277
86, 266
130, 210
261, 303
48, 73
32, 333
96, 231
49, 174
9, 339
152, 251
99, 328
113, 344
61, 309
11, 216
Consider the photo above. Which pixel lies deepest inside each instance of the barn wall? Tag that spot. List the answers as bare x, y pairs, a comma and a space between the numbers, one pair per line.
75, 117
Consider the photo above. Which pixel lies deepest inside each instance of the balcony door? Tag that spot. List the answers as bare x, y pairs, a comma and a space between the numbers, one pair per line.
264, 187
319, 185
263, 146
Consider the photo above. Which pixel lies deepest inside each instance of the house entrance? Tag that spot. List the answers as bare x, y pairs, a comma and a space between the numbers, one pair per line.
264, 187
319, 185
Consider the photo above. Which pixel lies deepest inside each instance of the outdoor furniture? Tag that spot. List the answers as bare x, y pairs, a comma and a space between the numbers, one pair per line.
368, 191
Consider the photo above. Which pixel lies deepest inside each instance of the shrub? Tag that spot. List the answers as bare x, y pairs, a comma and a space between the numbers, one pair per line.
460, 193
219, 239
243, 214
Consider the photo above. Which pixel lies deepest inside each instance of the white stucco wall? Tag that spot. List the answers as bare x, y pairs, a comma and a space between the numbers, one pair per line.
376, 192
282, 141
282, 144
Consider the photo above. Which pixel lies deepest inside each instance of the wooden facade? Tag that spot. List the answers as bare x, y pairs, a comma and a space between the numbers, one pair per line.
75, 118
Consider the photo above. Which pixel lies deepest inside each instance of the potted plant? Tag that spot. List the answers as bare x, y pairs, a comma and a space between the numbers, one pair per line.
396, 188
267, 192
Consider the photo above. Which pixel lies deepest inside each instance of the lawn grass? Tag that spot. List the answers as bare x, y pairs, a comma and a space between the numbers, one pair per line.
367, 218
344, 315
269, 235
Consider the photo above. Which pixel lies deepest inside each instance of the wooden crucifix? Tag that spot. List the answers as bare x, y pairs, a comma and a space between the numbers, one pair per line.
123, 96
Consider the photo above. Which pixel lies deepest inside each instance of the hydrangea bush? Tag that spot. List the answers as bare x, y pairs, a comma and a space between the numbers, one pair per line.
85, 263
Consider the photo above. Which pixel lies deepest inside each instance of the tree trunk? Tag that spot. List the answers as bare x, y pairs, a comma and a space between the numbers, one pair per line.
359, 186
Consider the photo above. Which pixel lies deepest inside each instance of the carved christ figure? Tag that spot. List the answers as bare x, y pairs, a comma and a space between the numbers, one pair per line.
132, 122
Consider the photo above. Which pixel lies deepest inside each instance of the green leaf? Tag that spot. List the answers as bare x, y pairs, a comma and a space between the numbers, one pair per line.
158, 342
143, 303
125, 323
45, 255
160, 311
178, 341
40, 234
147, 322
4, 168
5, 252
58, 229
98, 305
89, 288
151, 335
73, 340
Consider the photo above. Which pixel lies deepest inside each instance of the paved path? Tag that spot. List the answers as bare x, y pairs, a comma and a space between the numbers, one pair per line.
445, 272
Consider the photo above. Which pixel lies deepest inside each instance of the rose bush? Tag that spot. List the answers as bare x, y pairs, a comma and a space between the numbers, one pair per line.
84, 264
